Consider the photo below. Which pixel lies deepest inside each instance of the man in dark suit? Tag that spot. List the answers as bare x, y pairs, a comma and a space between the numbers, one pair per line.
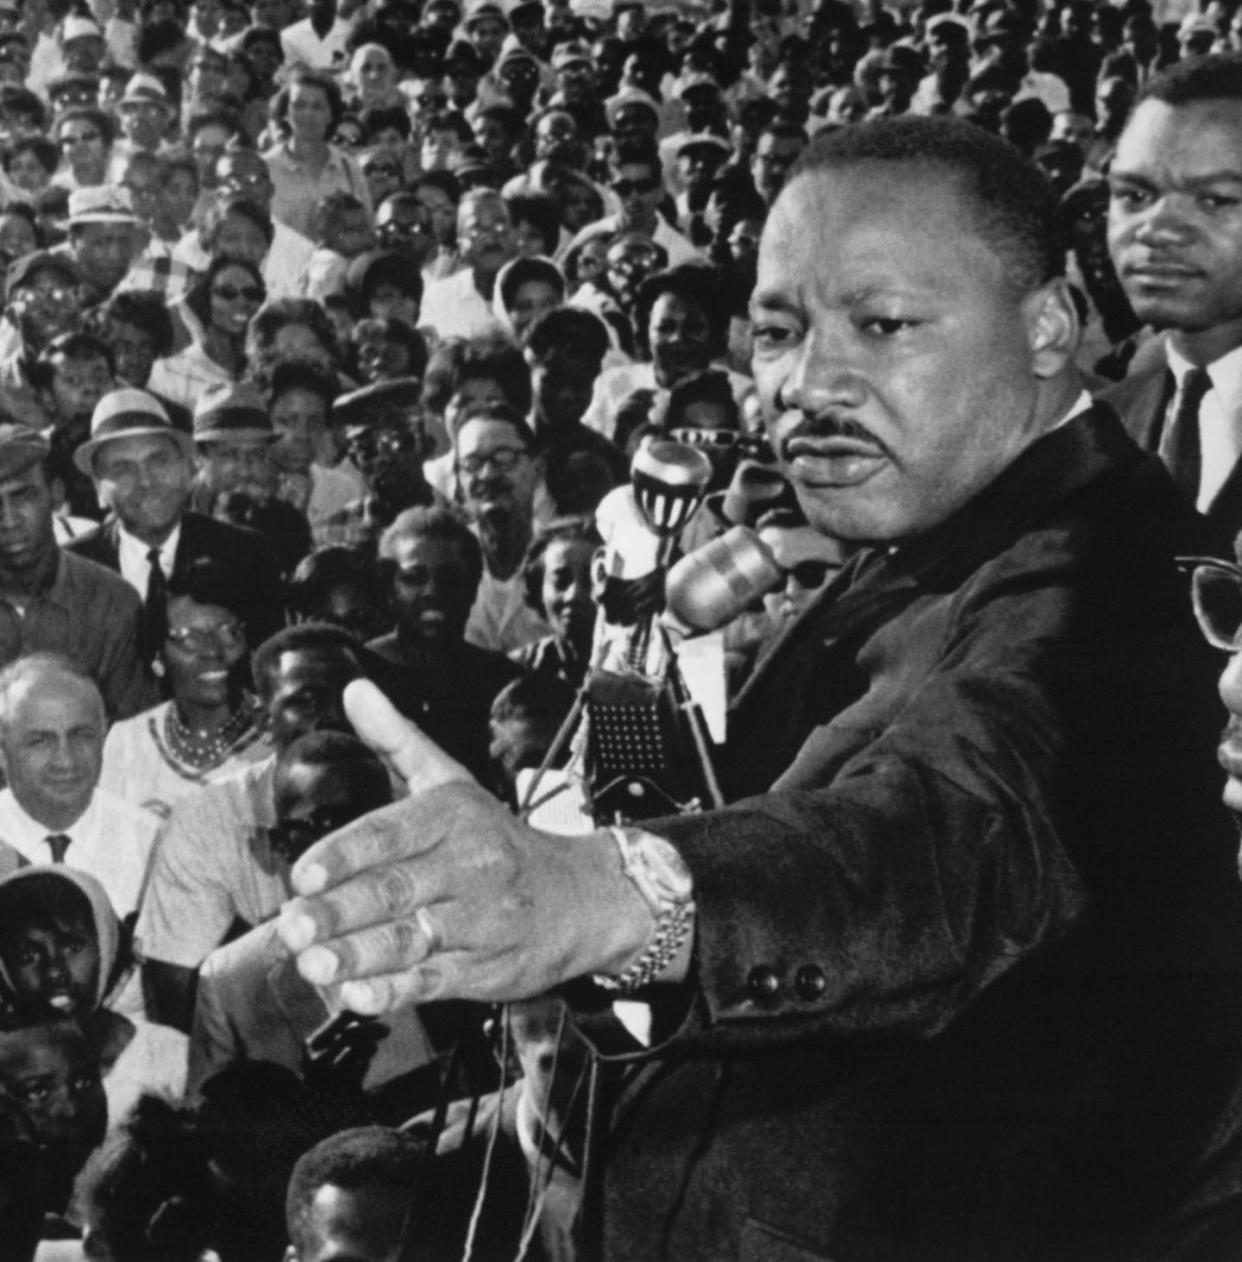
143, 469
954, 975
1175, 234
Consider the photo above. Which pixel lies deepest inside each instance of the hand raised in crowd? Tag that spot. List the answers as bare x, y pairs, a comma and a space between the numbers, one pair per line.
445, 894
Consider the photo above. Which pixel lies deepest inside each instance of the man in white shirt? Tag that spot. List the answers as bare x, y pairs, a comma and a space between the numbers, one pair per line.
461, 305
52, 729
1176, 239
319, 40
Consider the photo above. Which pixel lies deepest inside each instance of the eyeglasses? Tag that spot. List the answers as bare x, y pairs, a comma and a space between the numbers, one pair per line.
433, 100
227, 636
1216, 590
810, 574
756, 446
81, 138
385, 442
55, 293
502, 459
628, 188
394, 229
254, 180
231, 293
290, 838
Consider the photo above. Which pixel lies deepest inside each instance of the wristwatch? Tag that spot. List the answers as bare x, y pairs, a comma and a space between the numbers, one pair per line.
658, 872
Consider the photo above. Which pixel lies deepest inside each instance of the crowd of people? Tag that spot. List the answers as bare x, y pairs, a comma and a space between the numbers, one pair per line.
336, 346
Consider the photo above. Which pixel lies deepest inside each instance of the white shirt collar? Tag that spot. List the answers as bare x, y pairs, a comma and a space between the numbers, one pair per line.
24, 833
132, 556
1225, 373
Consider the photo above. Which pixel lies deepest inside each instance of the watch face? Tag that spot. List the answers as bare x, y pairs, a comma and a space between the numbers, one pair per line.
662, 869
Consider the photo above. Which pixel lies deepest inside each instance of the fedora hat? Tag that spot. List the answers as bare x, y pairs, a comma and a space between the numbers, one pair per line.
128, 413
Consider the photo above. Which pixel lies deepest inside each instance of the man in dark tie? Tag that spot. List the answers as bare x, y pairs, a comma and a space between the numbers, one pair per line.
143, 468
1175, 233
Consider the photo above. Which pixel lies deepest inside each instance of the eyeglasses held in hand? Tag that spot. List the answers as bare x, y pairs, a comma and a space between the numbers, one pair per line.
1216, 590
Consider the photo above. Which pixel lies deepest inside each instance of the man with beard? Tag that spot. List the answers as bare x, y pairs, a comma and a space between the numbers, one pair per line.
498, 473
1175, 235
461, 304
955, 974
389, 438
433, 566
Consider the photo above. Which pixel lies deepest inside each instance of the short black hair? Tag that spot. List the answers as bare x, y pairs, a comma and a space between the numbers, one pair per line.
540, 211
208, 580
434, 522
306, 635
317, 574
297, 374
381, 117
68, 347
1215, 77
494, 360
398, 333
145, 309
698, 283
500, 413
562, 530
364, 1156
370, 785
570, 329
1014, 203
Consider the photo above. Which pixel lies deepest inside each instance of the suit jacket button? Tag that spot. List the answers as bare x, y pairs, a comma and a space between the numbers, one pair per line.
810, 982
763, 983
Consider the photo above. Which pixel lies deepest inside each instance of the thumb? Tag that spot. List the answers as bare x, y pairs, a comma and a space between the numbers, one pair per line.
409, 754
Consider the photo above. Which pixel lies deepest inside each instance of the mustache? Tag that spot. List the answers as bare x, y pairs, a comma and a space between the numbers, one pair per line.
827, 425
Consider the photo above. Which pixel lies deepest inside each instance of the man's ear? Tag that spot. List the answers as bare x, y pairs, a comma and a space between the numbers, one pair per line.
291, 1254
1053, 327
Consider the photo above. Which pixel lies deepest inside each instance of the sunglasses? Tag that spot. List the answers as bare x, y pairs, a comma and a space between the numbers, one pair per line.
1216, 592
83, 138
628, 188
810, 574
291, 838
391, 442
231, 293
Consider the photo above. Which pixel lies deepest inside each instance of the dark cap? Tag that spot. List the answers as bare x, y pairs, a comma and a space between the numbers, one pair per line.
20, 447
23, 269
228, 411
385, 401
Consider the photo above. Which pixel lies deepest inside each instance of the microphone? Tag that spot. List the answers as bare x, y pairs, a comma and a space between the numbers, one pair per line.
669, 481
714, 584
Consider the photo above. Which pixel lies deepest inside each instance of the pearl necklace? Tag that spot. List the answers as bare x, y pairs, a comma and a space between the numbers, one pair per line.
205, 750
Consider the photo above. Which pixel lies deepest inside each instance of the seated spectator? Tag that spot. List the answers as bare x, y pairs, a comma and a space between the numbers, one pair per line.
340, 228
350, 1196
525, 720
223, 300
289, 329
565, 350
212, 725
461, 304
51, 1073
310, 472
388, 437
63, 952
386, 349
251, 1002
142, 471
527, 288
341, 586
681, 326
55, 602
53, 811
215, 864
557, 573
434, 566
385, 284
236, 479
498, 472
527, 1141
146, 1194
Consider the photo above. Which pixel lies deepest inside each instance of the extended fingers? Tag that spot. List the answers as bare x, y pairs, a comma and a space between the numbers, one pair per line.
417, 759
387, 948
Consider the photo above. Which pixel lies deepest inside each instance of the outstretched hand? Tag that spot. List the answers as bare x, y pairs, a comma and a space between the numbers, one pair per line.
444, 894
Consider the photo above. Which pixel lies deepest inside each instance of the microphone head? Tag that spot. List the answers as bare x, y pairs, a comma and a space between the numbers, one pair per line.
714, 584
669, 482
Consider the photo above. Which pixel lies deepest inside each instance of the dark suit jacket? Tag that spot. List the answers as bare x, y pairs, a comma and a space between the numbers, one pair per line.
248, 556
966, 980
1142, 402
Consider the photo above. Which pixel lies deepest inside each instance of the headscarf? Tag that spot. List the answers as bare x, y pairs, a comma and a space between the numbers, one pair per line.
516, 273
